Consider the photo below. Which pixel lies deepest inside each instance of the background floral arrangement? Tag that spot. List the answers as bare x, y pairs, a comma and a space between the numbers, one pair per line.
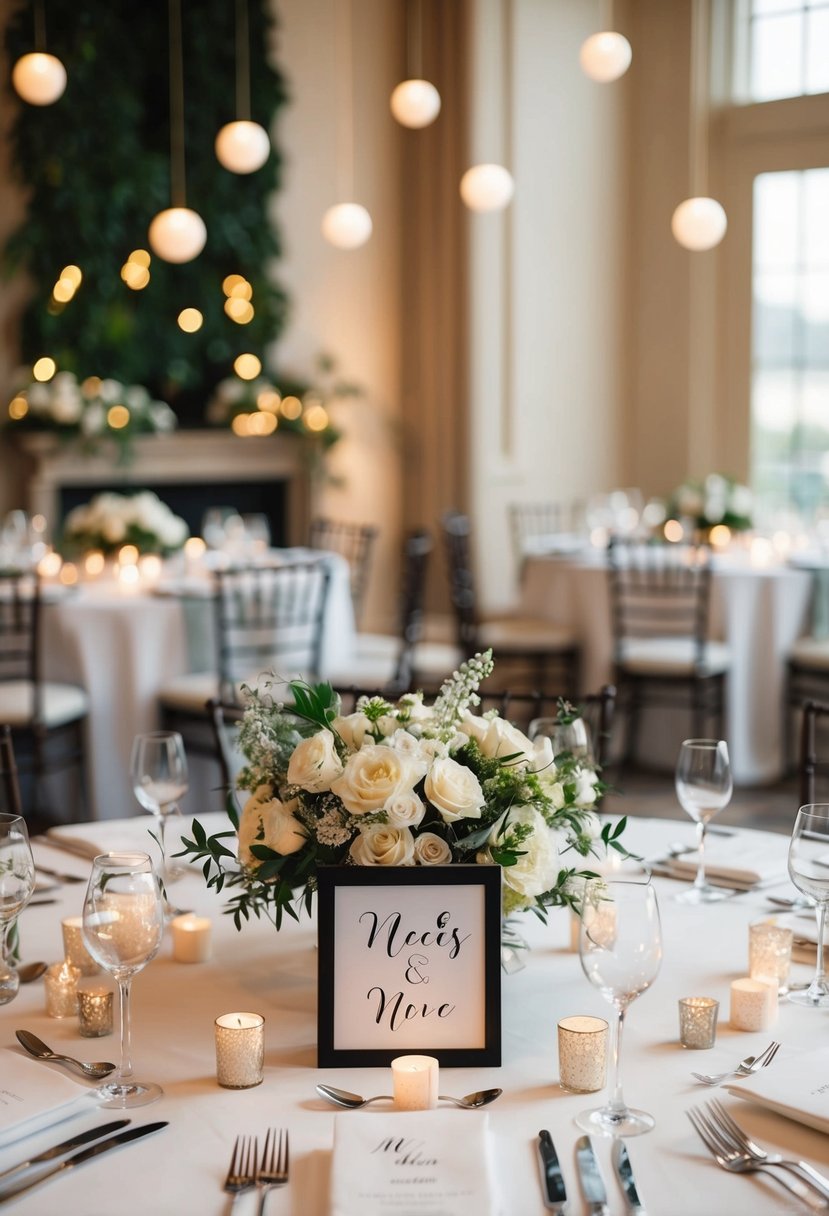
400, 783
112, 520
715, 499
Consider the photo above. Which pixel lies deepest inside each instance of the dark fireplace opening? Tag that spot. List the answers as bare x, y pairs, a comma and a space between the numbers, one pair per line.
191, 500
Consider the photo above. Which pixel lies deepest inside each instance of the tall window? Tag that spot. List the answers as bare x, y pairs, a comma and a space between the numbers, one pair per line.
790, 339
788, 48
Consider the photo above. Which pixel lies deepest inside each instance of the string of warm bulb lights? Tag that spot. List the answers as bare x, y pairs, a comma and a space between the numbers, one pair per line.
39, 78
415, 102
242, 146
346, 225
607, 55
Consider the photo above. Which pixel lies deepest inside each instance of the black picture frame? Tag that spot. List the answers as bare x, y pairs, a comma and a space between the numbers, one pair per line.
429, 882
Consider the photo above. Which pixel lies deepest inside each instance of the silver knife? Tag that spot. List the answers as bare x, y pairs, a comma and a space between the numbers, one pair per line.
555, 1195
85, 1155
66, 1146
624, 1172
592, 1182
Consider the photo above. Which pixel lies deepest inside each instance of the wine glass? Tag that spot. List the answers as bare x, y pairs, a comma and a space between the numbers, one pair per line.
620, 947
17, 882
159, 778
571, 737
123, 922
809, 871
703, 787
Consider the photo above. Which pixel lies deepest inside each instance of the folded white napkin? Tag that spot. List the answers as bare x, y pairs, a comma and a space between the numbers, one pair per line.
796, 1084
736, 861
129, 835
34, 1096
429, 1162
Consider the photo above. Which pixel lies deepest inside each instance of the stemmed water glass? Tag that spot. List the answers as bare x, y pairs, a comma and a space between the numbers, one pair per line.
703, 787
572, 737
17, 882
123, 923
809, 871
620, 947
159, 778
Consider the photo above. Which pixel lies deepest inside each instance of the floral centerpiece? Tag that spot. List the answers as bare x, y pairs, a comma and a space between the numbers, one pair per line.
112, 520
715, 499
400, 783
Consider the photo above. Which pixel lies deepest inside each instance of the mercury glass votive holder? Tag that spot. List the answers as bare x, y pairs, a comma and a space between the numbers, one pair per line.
698, 1021
94, 1009
74, 948
240, 1050
770, 952
582, 1054
61, 987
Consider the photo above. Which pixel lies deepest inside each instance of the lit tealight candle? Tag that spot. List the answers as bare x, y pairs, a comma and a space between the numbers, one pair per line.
415, 1082
94, 1009
240, 1050
753, 1004
74, 947
191, 938
61, 983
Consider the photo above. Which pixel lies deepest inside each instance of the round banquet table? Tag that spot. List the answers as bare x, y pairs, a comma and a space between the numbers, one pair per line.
181, 1169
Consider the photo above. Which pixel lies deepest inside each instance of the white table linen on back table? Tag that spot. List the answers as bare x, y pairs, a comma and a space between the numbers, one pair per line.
181, 1170
757, 611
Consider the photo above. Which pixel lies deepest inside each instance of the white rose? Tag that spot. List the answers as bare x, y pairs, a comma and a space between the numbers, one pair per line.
543, 757
315, 763
454, 790
66, 408
497, 737
372, 776
382, 845
265, 820
591, 825
431, 850
352, 729
536, 870
386, 725
585, 788
111, 391
114, 529
431, 749
404, 742
404, 810
92, 422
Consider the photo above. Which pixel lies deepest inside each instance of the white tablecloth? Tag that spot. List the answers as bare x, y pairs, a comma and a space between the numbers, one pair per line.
122, 645
181, 1169
758, 611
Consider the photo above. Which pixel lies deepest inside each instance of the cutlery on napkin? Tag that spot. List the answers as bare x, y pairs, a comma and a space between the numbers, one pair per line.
731, 862
798, 1088
33, 1097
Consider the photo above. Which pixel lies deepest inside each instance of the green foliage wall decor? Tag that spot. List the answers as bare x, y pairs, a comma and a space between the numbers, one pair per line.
96, 168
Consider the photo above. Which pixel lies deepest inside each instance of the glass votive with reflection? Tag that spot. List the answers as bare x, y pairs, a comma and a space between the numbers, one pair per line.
582, 1054
240, 1050
95, 1000
74, 948
61, 987
698, 1021
770, 952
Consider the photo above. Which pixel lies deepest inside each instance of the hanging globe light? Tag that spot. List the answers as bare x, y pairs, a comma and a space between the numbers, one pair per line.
699, 223
487, 187
415, 103
605, 56
39, 78
242, 146
347, 225
177, 234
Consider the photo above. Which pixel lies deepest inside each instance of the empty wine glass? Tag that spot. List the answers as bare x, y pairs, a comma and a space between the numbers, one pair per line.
17, 882
703, 787
159, 778
809, 871
123, 923
620, 947
571, 737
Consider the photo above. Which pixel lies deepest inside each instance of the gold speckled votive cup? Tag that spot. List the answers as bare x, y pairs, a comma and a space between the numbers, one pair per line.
698, 1021
582, 1054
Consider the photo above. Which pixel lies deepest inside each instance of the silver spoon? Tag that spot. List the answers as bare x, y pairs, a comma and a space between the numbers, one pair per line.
342, 1097
31, 971
95, 1071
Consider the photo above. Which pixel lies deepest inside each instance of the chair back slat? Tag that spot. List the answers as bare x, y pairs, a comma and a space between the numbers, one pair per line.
10, 800
456, 536
19, 626
416, 553
354, 542
659, 590
812, 767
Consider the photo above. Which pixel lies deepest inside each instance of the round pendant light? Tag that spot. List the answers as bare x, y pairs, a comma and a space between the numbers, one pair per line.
347, 225
699, 223
487, 187
38, 78
415, 103
177, 234
605, 56
242, 146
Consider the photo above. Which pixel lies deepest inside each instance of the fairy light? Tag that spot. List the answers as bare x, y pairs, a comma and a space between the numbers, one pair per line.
247, 366
231, 281
44, 369
316, 418
118, 417
673, 531
18, 408
190, 320
291, 408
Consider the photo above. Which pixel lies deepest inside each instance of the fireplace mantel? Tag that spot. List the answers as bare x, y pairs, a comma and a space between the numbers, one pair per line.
203, 457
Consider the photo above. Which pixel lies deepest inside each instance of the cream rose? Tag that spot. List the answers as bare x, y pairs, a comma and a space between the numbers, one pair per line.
382, 845
315, 763
454, 790
585, 789
373, 775
352, 729
431, 850
497, 737
266, 820
536, 870
404, 810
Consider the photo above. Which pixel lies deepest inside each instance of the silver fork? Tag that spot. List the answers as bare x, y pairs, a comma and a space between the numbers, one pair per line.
273, 1168
729, 1127
736, 1162
747, 1066
241, 1173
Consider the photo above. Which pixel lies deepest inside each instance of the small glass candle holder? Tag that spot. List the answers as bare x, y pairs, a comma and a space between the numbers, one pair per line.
191, 938
94, 1009
240, 1050
415, 1082
698, 1022
61, 986
753, 1004
770, 953
73, 946
582, 1054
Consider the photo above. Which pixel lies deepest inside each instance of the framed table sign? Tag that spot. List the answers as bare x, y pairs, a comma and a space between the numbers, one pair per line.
409, 961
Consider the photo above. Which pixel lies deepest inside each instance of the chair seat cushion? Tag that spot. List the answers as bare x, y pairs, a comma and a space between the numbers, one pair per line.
811, 652
524, 635
672, 657
60, 703
372, 665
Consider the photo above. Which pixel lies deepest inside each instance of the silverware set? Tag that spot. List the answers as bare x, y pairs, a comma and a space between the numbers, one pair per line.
744, 1069
248, 1170
590, 1177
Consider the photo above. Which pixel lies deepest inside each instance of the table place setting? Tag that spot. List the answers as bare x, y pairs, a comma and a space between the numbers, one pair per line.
33, 1097
797, 1088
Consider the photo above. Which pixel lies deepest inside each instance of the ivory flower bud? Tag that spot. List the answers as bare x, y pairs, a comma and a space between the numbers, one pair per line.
352, 729
265, 820
382, 845
431, 850
536, 870
315, 763
454, 790
405, 810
